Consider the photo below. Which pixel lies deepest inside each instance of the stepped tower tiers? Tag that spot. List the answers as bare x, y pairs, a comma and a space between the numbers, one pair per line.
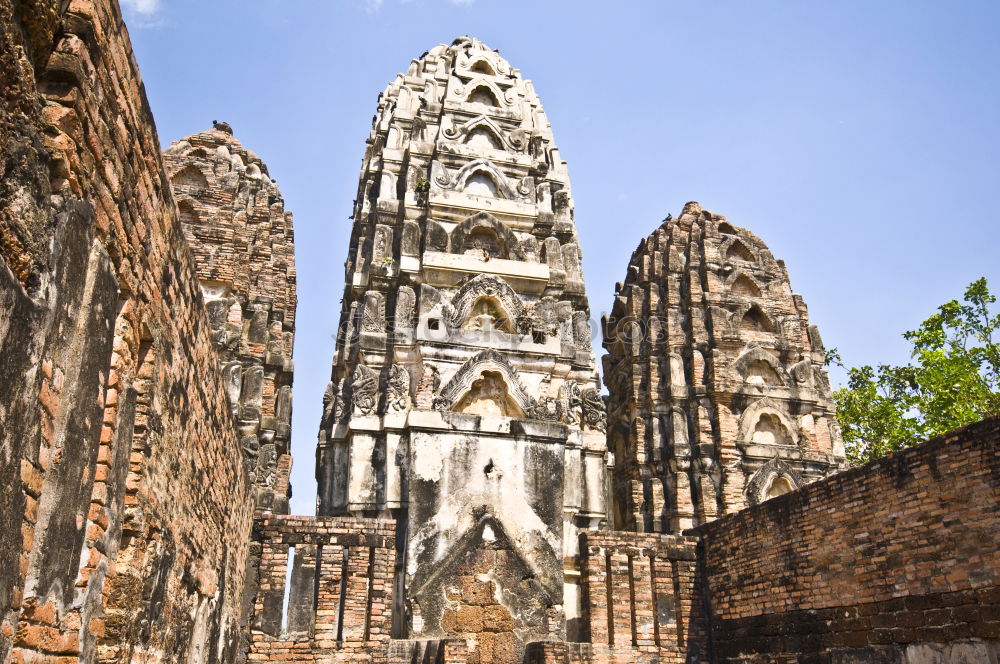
241, 236
719, 398
464, 399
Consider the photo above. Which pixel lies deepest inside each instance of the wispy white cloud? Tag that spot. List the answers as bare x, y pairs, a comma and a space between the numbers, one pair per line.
372, 6
462, 2
143, 13
142, 7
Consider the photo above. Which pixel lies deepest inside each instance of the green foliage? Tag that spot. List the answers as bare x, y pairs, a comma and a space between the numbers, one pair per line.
953, 380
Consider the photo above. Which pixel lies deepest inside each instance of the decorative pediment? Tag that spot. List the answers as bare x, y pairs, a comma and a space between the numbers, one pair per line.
511, 248
772, 478
486, 361
493, 287
753, 355
516, 140
466, 89
754, 317
765, 420
459, 180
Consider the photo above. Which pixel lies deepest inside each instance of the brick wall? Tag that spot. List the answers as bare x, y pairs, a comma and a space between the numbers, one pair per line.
340, 599
892, 561
640, 602
125, 512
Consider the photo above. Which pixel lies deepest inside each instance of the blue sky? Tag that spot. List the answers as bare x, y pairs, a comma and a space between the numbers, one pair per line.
859, 139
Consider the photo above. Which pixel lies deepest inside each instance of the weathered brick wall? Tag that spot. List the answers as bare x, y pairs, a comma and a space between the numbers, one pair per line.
641, 602
125, 512
892, 561
340, 596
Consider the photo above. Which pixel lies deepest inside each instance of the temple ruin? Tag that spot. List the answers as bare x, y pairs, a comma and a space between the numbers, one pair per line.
480, 500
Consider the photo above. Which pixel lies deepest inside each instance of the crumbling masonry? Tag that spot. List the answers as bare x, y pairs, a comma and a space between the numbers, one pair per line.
479, 500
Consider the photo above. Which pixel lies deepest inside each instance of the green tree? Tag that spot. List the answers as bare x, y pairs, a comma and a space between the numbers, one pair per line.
953, 380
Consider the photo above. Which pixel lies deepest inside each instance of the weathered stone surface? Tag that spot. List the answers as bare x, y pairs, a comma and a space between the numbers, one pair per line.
125, 511
719, 398
241, 236
487, 427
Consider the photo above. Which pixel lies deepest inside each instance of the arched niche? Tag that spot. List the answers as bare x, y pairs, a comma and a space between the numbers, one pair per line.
186, 213
755, 362
764, 423
775, 478
770, 430
743, 284
507, 244
482, 94
726, 228
489, 380
488, 395
736, 250
486, 295
483, 137
753, 319
480, 183
483, 243
474, 168
761, 373
482, 67
488, 314
189, 180
779, 486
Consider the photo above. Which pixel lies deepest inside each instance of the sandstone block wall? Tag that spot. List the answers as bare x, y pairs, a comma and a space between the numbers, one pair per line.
340, 596
895, 561
125, 512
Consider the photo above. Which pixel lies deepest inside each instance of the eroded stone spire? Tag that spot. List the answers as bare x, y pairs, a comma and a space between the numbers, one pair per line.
463, 398
235, 222
719, 398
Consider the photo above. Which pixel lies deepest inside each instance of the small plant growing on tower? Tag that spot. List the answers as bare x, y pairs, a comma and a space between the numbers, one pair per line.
422, 189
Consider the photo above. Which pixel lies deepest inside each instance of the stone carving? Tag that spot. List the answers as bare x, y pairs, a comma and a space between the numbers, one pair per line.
364, 390
595, 412
410, 241
419, 128
486, 286
435, 237
581, 330
406, 301
507, 242
569, 397
802, 372
546, 409
397, 389
472, 370
373, 316
757, 486
529, 249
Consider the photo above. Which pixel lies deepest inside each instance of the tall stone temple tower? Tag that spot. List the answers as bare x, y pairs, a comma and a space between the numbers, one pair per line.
464, 400
234, 219
719, 398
